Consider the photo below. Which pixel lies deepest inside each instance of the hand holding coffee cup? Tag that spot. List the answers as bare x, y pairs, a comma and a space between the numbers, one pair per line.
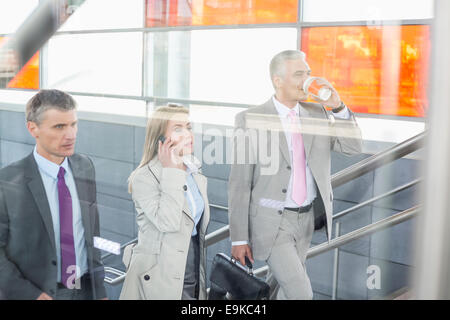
322, 91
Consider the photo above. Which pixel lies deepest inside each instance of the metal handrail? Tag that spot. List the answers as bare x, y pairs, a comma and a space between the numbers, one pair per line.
117, 280
356, 234
219, 234
136, 239
374, 199
352, 172
355, 171
326, 246
223, 233
377, 160
121, 275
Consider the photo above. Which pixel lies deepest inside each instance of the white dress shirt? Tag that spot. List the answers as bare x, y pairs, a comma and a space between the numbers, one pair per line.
311, 190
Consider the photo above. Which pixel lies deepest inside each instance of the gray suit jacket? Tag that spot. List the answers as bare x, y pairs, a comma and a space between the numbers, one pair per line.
27, 241
257, 186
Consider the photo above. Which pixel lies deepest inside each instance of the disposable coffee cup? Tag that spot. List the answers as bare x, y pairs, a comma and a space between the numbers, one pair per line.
313, 86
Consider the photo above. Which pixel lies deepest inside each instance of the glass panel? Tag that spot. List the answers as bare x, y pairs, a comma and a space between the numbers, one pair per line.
97, 63
214, 12
382, 70
182, 68
387, 130
14, 12
216, 115
106, 14
26, 78
128, 107
372, 10
111, 106
17, 97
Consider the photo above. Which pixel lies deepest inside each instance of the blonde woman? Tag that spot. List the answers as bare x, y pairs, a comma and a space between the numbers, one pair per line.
169, 193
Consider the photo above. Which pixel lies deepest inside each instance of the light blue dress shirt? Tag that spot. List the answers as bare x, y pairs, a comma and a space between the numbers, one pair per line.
194, 199
49, 173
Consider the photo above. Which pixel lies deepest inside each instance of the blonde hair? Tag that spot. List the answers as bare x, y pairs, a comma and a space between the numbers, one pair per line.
156, 127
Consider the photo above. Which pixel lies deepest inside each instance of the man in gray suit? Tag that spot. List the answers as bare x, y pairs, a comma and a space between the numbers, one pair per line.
48, 211
275, 206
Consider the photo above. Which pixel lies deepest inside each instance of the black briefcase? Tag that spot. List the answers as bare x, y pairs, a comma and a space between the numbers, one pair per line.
230, 280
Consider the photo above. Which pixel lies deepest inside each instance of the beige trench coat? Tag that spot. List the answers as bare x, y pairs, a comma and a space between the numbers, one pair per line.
156, 264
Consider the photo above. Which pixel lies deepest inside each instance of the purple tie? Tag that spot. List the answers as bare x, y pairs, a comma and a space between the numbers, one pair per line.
68, 260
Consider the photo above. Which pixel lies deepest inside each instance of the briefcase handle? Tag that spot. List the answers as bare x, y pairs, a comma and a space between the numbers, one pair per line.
247, 263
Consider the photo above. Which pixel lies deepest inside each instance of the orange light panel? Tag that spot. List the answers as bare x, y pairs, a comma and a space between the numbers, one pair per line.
219, 12
380, 70
28, 76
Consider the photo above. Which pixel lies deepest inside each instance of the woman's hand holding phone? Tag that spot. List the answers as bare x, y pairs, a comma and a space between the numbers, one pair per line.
169, 153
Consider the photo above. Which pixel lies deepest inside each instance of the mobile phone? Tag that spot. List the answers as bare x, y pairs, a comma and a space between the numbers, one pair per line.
162, 139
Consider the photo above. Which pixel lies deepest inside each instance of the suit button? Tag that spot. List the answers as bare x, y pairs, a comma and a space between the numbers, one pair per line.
146, 277
280, 211
284, 190
185, 187
52, 291
288, 167
54, 262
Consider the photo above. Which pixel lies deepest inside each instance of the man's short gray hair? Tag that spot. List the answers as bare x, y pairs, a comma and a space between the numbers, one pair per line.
45, 100
277, 62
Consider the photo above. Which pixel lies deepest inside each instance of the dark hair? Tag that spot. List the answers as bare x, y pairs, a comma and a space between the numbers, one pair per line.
48, 99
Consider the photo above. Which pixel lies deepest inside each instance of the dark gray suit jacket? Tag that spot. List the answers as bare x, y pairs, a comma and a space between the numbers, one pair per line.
27, 241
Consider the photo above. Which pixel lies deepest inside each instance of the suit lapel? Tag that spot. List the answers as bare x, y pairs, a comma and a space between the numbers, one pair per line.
40, 197
277, 125
305, 124
36, 187
283, 145
82, 186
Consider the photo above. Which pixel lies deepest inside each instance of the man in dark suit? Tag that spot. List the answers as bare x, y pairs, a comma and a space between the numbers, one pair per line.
48, 211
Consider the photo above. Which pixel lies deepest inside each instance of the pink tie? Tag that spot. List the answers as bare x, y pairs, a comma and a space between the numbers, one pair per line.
299, 161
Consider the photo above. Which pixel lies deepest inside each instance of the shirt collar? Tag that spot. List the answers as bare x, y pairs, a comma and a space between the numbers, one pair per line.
48, 167
192, 164
283, 110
